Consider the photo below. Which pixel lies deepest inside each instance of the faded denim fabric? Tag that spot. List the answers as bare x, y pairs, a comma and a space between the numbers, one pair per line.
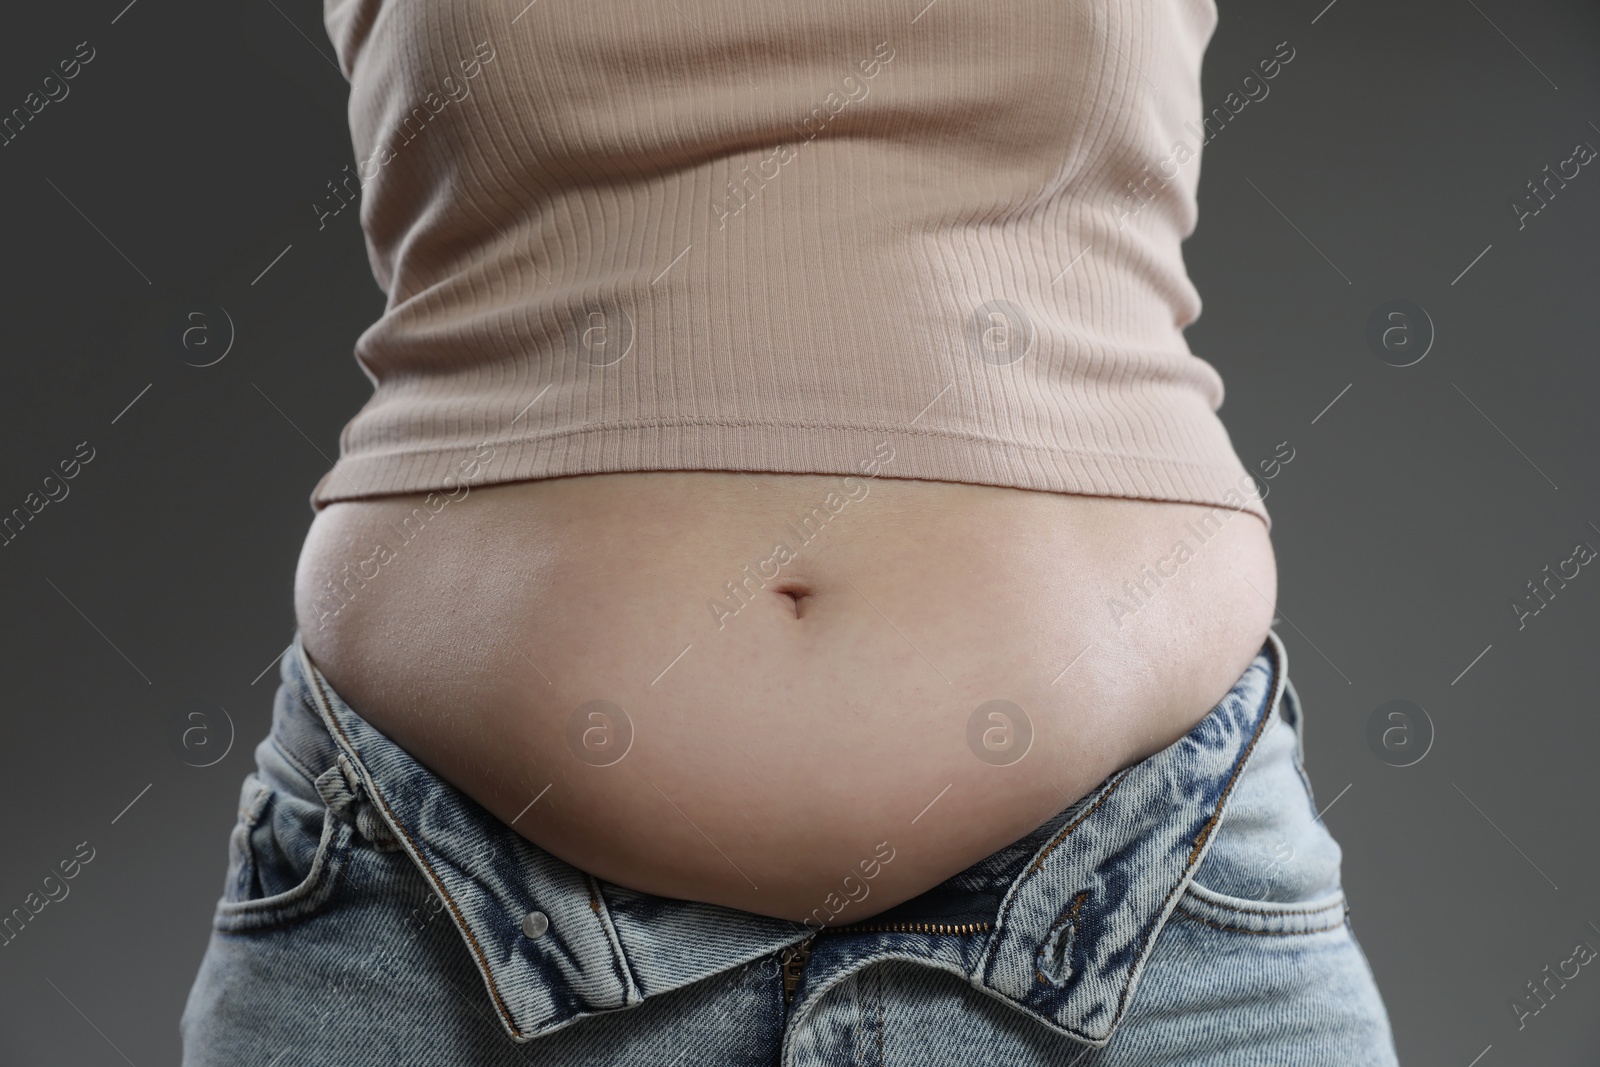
1188, 911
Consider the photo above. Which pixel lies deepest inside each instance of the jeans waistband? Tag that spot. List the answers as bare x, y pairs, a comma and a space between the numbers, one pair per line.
1060, 922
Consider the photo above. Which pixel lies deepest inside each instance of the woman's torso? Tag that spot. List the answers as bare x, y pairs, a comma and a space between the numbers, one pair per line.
797, 669
710, 237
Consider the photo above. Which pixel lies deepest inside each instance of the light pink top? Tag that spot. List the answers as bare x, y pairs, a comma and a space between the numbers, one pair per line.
731, 235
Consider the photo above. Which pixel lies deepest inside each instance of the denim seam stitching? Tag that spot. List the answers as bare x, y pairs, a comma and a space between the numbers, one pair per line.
1189, 916
1270, 914
251, 813
1333, 905
1038, 861
472, 940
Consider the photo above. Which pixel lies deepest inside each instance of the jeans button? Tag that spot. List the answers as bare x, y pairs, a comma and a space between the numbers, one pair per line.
534, 924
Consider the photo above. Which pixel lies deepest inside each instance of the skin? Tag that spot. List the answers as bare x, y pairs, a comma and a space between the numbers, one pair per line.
778, 759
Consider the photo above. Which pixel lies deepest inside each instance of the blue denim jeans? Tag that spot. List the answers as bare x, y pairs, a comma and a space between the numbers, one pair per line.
1187, 911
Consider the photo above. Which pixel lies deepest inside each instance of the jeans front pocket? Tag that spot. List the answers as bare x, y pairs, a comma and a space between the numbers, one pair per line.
286, 856
1272, 866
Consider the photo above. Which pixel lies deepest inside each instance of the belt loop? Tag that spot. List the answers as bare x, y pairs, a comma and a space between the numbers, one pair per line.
342, 791
351, 778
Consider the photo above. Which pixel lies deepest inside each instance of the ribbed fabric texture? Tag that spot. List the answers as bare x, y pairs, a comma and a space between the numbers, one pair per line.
760, 236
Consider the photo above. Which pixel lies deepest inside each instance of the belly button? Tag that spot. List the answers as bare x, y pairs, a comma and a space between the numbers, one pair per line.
796, 595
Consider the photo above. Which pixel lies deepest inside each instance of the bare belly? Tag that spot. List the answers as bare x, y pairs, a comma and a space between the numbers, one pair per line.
779, 692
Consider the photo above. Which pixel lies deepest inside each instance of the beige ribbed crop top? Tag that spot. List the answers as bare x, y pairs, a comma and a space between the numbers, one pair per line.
632, 235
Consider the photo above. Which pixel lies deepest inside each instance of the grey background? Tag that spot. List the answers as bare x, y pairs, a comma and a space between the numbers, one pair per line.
187, 156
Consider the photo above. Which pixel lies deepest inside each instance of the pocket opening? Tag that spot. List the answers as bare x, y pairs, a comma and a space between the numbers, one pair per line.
267, 884
1243, 916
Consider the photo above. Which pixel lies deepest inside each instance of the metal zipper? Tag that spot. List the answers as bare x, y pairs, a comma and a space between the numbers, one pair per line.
794, 962
913, 928
795, 956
